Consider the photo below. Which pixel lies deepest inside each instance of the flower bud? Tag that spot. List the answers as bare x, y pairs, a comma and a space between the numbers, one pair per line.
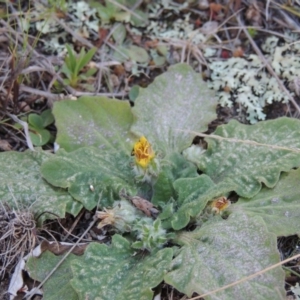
150, 234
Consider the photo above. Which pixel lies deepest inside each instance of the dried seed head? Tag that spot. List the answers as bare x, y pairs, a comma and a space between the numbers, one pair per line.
220, 204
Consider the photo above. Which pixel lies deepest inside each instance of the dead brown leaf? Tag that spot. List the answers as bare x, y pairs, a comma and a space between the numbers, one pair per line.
60, 248
142, 204
145, 206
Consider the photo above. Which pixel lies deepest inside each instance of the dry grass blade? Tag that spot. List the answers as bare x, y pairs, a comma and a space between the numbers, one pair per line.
17, 231
26, 130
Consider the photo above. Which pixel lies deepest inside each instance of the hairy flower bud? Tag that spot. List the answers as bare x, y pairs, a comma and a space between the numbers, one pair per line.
150, 234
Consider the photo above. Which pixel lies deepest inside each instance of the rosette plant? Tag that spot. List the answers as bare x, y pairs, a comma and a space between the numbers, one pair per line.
167, 199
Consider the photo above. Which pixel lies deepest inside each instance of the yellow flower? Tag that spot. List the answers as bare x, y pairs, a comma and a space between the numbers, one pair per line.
143, 152
220, 204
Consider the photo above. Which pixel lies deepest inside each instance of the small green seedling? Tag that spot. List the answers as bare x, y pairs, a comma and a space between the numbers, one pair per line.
134, 92
37, 124
37, 127
73, 65
111, 11
58, 5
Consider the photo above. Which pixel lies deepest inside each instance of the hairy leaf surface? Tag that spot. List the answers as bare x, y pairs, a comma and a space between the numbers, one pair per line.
224, 251
21, 185
193, 196
249, 155
92, 176
174, 166
58, 285
117, 272
279, 207
176, 103
93, 121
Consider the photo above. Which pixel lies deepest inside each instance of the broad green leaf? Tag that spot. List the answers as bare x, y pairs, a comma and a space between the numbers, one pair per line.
105, 14
193, 195
134, 92
111, 12
21, 185
35, 120
119, 33
39, 136
175, 104
137, 54
93, 121
249, 155
225, 251
140, 18
279, 207
159, 60
120, 54
122, 16
117, 272
174, 166
47, 117
58, 285
107, 173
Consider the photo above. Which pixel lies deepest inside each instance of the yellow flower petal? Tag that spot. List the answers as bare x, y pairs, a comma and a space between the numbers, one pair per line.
143, 152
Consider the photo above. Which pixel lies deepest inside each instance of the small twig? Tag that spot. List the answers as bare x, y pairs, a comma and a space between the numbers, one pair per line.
267, 10
11, 133
41, 93
32, 69
235, 14
104, 65
78, 37
85, 41
79, 94
73, 92
26, 130
282, 10
69, 232
257, 29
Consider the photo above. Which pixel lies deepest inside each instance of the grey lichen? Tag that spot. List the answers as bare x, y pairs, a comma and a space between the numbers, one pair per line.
245, 81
